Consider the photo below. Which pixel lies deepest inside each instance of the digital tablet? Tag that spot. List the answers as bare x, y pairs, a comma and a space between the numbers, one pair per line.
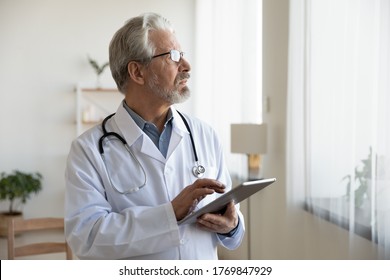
237, 194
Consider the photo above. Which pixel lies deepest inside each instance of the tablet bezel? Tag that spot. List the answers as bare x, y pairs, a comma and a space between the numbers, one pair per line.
237, 194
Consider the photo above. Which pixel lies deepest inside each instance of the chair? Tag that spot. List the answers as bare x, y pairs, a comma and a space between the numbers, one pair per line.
16, 226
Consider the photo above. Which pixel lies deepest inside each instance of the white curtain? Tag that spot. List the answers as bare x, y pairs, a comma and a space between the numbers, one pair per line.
339, 114
227, 68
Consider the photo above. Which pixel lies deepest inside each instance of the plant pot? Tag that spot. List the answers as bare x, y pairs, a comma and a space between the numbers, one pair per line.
4, 218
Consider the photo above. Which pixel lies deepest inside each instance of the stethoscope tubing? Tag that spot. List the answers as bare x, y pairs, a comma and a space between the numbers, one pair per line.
192, 138
198, 170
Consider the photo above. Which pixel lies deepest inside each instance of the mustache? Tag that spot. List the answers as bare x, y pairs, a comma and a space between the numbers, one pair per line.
182, 76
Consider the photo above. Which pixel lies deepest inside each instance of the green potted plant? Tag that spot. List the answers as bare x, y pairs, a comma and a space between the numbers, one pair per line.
362, 179
17, 187
98, 69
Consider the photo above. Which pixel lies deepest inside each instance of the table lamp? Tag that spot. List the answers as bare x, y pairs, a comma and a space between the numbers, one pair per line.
250, 139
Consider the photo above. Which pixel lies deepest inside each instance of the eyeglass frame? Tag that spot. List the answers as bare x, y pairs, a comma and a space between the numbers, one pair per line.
181, 54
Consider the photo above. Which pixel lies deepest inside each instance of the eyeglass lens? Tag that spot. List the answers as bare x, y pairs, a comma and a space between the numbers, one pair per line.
176, 55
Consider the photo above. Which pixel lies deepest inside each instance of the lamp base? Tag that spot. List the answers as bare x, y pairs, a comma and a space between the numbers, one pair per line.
254, 163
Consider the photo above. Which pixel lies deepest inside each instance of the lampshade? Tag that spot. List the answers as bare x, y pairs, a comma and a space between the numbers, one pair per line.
248, 138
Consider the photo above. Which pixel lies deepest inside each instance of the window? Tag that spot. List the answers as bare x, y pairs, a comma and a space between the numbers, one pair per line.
227, 70
339, 122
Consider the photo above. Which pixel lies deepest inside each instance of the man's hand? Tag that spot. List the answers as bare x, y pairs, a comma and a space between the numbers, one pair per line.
220, 223
193, 194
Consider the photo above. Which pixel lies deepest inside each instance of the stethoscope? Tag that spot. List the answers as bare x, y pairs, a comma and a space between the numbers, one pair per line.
198, 170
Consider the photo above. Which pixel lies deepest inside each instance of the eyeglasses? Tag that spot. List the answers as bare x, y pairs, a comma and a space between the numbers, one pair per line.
175, 55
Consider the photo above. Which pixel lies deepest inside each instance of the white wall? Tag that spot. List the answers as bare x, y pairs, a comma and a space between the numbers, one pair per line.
43, 54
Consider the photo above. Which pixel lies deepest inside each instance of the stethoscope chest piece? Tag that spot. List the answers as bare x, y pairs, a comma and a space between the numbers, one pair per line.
198, 171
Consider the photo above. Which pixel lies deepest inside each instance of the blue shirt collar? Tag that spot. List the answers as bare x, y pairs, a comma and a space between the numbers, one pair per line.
140, 121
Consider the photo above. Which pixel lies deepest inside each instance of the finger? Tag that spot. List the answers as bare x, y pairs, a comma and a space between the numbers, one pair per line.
209, 183
220, 223
201, 193
210, 219
212, 222
230, 209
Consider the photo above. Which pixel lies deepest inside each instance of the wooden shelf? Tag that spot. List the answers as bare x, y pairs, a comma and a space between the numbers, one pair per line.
93, 104
104, 90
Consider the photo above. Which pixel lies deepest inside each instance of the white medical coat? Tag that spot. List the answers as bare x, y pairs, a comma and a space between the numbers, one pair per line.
101, 223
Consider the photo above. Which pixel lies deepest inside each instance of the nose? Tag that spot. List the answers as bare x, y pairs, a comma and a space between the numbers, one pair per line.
184, 65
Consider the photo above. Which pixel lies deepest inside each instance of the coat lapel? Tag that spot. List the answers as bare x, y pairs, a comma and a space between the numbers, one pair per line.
178, 132
133, 134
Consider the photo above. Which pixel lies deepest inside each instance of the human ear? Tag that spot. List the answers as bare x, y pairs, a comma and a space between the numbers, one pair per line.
135, 71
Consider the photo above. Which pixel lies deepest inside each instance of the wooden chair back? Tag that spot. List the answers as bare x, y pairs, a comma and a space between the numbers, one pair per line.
17, 226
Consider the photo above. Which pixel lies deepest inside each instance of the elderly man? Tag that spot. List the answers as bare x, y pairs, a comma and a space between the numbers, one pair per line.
131, 179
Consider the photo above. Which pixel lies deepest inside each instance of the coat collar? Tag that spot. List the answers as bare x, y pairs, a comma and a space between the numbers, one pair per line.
132, 133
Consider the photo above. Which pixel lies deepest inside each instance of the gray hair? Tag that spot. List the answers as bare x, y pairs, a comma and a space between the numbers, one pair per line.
131, 43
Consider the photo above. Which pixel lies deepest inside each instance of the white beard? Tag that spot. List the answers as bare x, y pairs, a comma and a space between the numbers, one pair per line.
171, 96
